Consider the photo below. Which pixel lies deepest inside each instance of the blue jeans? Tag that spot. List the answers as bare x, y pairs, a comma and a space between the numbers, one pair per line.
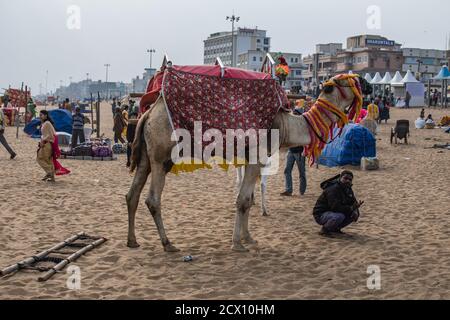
291, 159
334, 221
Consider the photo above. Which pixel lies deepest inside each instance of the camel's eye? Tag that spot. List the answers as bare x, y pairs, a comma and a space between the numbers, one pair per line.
328, 89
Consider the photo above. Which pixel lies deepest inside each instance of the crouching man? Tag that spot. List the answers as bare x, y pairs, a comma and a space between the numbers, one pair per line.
337, 206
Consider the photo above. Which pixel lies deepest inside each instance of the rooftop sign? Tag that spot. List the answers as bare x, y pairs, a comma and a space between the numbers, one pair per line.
380, 42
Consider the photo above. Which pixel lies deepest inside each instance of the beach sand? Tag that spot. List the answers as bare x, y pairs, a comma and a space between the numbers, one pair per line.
404, 229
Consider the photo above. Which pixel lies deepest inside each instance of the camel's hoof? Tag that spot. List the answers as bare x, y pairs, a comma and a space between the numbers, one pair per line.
171, 248
249, 241
133, 244
239, 248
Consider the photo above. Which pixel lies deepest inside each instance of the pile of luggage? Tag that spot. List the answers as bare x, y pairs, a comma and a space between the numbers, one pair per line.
95, 150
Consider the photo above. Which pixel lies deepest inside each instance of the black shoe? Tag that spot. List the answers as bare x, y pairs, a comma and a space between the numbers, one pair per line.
286, 194
128, 164
13, 156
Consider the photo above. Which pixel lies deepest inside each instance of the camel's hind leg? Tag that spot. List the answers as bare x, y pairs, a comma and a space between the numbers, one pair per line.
263, 195
158, 178
132, 199
243, 204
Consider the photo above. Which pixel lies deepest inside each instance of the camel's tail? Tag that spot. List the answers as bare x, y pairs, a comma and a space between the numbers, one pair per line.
139, 142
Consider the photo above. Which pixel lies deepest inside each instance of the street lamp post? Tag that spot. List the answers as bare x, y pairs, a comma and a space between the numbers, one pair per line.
107, 65
233, 18
151, 51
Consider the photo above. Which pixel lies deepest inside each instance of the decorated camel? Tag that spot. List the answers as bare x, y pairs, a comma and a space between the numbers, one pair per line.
153, 146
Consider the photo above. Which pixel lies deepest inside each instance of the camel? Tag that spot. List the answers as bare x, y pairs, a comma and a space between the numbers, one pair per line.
152, 156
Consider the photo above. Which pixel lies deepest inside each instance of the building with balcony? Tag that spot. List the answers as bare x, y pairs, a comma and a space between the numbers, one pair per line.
219, 44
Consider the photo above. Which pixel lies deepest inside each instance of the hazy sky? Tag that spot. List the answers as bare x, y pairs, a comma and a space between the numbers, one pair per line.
34, 36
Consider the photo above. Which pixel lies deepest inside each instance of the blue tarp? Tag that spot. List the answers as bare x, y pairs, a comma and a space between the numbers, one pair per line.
62, 119
355, 142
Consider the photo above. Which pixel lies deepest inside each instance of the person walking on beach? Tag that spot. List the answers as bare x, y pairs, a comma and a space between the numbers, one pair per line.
131, 132
67, 105
113, 106
45, 150
295, 155
337, 206
407, 99
77, 127
119, 124
2, 137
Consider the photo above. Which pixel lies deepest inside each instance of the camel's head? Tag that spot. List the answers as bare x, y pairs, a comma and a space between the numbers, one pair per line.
346, 91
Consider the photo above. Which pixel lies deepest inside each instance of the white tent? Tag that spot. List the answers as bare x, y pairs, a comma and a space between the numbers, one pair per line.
397, 80
409, 78
368, 77
408, 83
376, 79
387, 79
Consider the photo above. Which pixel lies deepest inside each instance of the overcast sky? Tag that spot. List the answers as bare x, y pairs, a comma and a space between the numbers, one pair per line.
34, 36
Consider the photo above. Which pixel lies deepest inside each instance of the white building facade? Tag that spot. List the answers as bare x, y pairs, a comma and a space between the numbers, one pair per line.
220, 45
430, 61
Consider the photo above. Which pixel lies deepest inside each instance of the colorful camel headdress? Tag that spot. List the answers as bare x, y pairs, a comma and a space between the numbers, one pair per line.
319, 131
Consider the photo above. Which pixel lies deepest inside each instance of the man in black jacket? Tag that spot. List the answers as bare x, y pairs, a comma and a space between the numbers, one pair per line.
337, 207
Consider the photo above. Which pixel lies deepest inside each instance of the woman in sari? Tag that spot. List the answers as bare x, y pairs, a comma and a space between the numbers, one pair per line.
48, 150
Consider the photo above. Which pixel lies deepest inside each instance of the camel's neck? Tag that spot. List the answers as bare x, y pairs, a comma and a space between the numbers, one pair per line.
293, 130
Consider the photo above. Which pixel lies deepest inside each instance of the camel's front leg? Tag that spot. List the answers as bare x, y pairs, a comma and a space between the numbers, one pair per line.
132, 199
243, 205
153, 202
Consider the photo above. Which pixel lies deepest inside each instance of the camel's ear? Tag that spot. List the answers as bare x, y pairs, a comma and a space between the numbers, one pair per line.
328, 89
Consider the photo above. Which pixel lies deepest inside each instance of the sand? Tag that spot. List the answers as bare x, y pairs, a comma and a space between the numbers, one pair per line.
403, 230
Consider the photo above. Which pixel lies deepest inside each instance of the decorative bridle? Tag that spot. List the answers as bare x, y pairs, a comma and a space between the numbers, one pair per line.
319, 131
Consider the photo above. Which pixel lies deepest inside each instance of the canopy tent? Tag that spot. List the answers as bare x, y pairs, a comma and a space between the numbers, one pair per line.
397, 80
387, 79
368, 77
409, 78
408, 83
62, 119
376, 79
443, 76
355, 143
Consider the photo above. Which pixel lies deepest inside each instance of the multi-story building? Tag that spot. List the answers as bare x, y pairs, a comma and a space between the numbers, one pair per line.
319, 67
426, 62
253, 60
140, 84
329, 48
372, 41
220, 45
370, 54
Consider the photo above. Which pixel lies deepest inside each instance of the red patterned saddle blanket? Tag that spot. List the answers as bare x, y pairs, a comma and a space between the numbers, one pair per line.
239, 100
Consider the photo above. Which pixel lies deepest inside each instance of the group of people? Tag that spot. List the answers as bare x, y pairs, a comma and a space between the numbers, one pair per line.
125, 122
